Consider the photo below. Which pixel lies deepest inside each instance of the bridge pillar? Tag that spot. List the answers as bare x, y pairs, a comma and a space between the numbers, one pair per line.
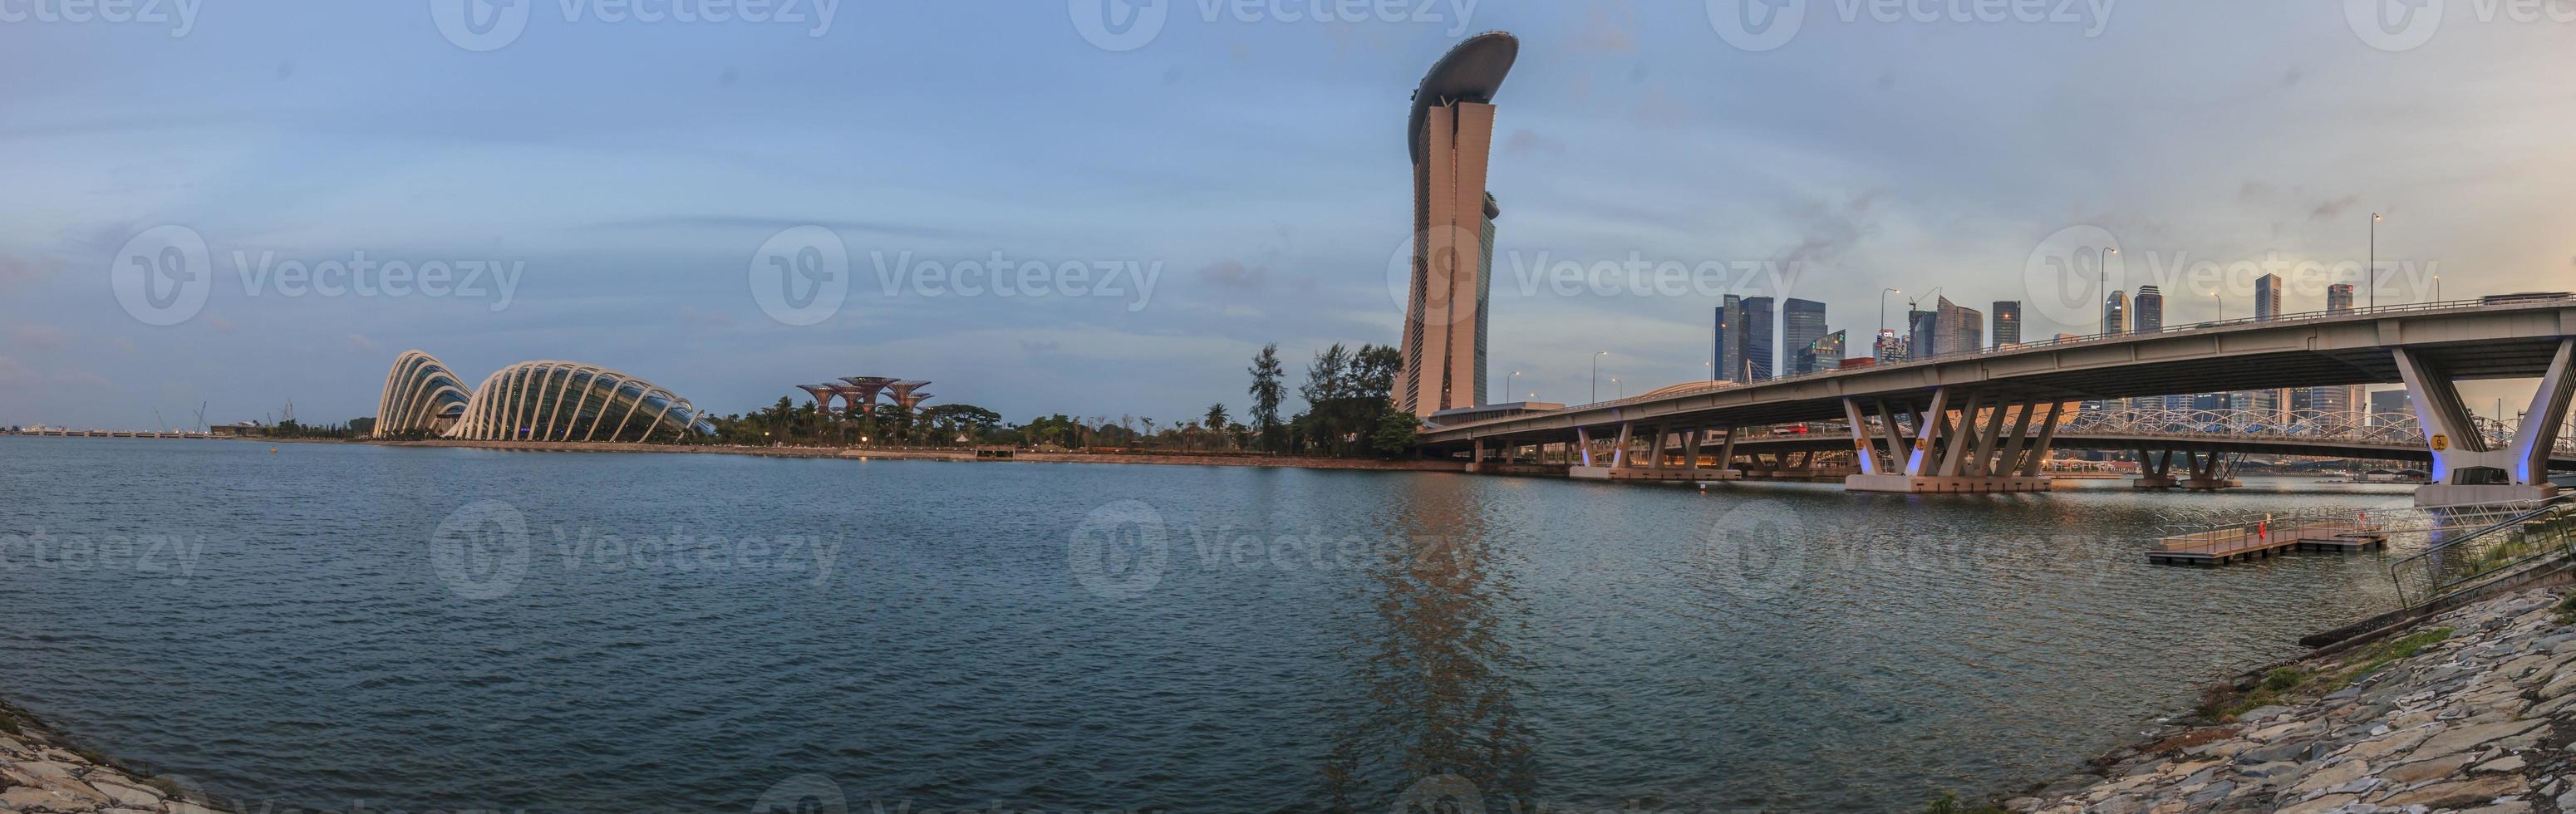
2466, 468
1956, 448
2155, 472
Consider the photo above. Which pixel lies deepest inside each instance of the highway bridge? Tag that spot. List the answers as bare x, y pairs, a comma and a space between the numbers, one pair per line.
1983, 421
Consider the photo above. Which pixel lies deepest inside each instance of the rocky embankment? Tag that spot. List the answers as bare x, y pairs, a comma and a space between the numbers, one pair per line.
39, 772
2471, 711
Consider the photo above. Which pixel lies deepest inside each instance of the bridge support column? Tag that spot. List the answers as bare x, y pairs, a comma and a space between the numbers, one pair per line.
1957, 448
2155, 472
2466, 467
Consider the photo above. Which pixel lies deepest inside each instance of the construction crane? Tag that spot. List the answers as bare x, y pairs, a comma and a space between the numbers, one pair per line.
201, 416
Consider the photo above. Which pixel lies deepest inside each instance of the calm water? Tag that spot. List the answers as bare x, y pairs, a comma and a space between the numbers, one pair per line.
695, 632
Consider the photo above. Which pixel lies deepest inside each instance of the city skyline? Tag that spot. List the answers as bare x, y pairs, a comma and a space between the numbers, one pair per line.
657, 234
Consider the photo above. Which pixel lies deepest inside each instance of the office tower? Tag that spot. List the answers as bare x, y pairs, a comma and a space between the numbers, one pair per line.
1760, 354
1729, 355
1826, 353
2267, 297
2337, 405
2147, 312
1451, 133
2115, 313
2007, 322
1962, 329
1919, 326
1802, 322
2339, 297
2390, 405
1890, 346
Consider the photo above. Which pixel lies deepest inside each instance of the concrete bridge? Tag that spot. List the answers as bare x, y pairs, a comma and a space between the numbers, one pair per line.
1984, 421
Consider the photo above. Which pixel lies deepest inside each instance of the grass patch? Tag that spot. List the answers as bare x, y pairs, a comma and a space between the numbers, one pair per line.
2223, 702
2566, 610
9, 721
1948, 803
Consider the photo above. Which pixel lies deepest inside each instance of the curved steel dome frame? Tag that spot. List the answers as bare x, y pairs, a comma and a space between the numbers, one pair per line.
545, 400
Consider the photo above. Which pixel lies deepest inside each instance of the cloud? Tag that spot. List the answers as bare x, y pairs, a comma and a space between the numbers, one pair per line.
361, 342
1040, 347
14, 373
38, 337
1234, 274
20, 272
2330, 209
219, 323
711, 320
1525, 141
1607, 29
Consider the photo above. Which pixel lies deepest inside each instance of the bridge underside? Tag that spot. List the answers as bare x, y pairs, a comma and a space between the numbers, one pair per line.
1948, 417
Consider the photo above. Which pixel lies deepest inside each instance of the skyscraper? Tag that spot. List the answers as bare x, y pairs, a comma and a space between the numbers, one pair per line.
2115, 313
1761, 356
1919, 326
1451, 133
2007, 322
2147, 313
2339, 297
2267, 297
1729, 355
1802, 322
1890, 346
1961, 329
1826, 353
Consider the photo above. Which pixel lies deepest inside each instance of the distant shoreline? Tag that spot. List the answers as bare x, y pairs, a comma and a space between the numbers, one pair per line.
966, 454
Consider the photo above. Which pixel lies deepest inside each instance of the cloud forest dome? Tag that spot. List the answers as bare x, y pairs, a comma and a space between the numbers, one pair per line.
548, 400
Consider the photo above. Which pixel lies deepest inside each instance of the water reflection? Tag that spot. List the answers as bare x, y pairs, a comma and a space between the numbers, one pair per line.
1441, 722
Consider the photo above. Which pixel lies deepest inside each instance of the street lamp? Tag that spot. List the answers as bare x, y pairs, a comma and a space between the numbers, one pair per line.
2437, 288
1596, 375
1623, 389
1510, 380
2104, 272
2374, 259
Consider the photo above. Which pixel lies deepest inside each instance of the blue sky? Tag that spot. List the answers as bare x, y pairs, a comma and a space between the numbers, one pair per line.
1252, 166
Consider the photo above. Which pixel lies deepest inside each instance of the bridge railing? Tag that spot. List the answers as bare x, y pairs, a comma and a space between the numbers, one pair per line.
2307, 316
2472, 544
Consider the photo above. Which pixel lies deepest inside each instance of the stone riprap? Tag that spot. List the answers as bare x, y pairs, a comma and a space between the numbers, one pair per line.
2470, 711
40, 774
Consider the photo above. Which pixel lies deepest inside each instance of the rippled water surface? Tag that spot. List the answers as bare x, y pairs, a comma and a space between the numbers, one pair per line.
691, 632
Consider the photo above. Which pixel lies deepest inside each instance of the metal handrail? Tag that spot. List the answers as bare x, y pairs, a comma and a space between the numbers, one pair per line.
2435, 557
2017, 347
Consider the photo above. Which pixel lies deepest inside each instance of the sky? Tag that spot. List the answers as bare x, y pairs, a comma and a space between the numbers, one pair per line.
805, 190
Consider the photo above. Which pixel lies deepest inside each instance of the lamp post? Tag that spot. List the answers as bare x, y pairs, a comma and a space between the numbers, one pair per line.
1596, 375
2437, 288
1623, 389
2374, 260
1510, 380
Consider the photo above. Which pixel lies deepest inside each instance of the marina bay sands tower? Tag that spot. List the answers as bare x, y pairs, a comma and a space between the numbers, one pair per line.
1452, 131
